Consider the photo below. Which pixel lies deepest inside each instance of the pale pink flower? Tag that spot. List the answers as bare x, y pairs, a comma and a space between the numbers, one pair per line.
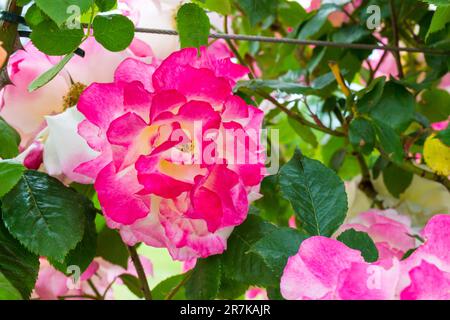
52, 284
147, 127
391, 232
255, 293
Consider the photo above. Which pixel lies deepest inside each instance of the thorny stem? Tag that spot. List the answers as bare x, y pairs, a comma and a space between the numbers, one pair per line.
140, 272
396, 38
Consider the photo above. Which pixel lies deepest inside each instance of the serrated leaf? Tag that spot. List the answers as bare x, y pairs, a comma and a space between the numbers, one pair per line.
165, 287
133, 284
55, 41
389, 141
10, 174
111, 248
17, 264
84, 253
44, 215
193, 26
258, 10
9, 141
50, 74
396, 179
276, 248
114, 32
204, 282
362, 135
316, 193
395, 108
243, 266
59, 10
360, 241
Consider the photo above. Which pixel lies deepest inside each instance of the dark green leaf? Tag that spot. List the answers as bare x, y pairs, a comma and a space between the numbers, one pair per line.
17, 264
435, 105
9, 141
316, 193
204, 282
258, 10
111, 248
396, 179
360, 241
395, 107
10, 174
106, 5
389, 141
7, 290
243, 266
443, 135
193, 26
44, 215
114, 32
362, 135
276, 248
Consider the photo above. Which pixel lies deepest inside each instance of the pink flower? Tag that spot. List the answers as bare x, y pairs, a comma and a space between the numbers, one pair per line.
426, 273
390, 231
53, 284
327, 269
255, 293
168, 172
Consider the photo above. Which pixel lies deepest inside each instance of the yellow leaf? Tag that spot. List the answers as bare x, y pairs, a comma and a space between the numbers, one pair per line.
437, 155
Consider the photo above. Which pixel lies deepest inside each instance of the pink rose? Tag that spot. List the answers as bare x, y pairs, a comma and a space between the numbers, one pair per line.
169, 173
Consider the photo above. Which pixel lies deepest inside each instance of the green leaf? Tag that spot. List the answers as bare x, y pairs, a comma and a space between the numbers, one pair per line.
50, 74
291, 13
44, 215
258, 10
370, 96
220, 6
10, 174
17, 264
231, 289
85, 251
193, 26
362, 135
52, 40
34, 16
316, 193
7, 290
276, 248
360, 241
440, 18
396, 179
111, 248
114, 32
133, 284
9, 141
443, 135
435, 104
395, 107
271, 85
304, 132
243, 266
204, 282
317, 22
105, 5
389, 141
59, 10
164, 288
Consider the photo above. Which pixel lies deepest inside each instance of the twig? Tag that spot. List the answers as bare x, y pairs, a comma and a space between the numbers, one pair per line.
94, 289
140, 272
297, 117
396, 38
320, 43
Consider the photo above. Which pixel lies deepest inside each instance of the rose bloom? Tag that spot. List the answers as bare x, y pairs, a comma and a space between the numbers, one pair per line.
167, 170
53, 284
327, 269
